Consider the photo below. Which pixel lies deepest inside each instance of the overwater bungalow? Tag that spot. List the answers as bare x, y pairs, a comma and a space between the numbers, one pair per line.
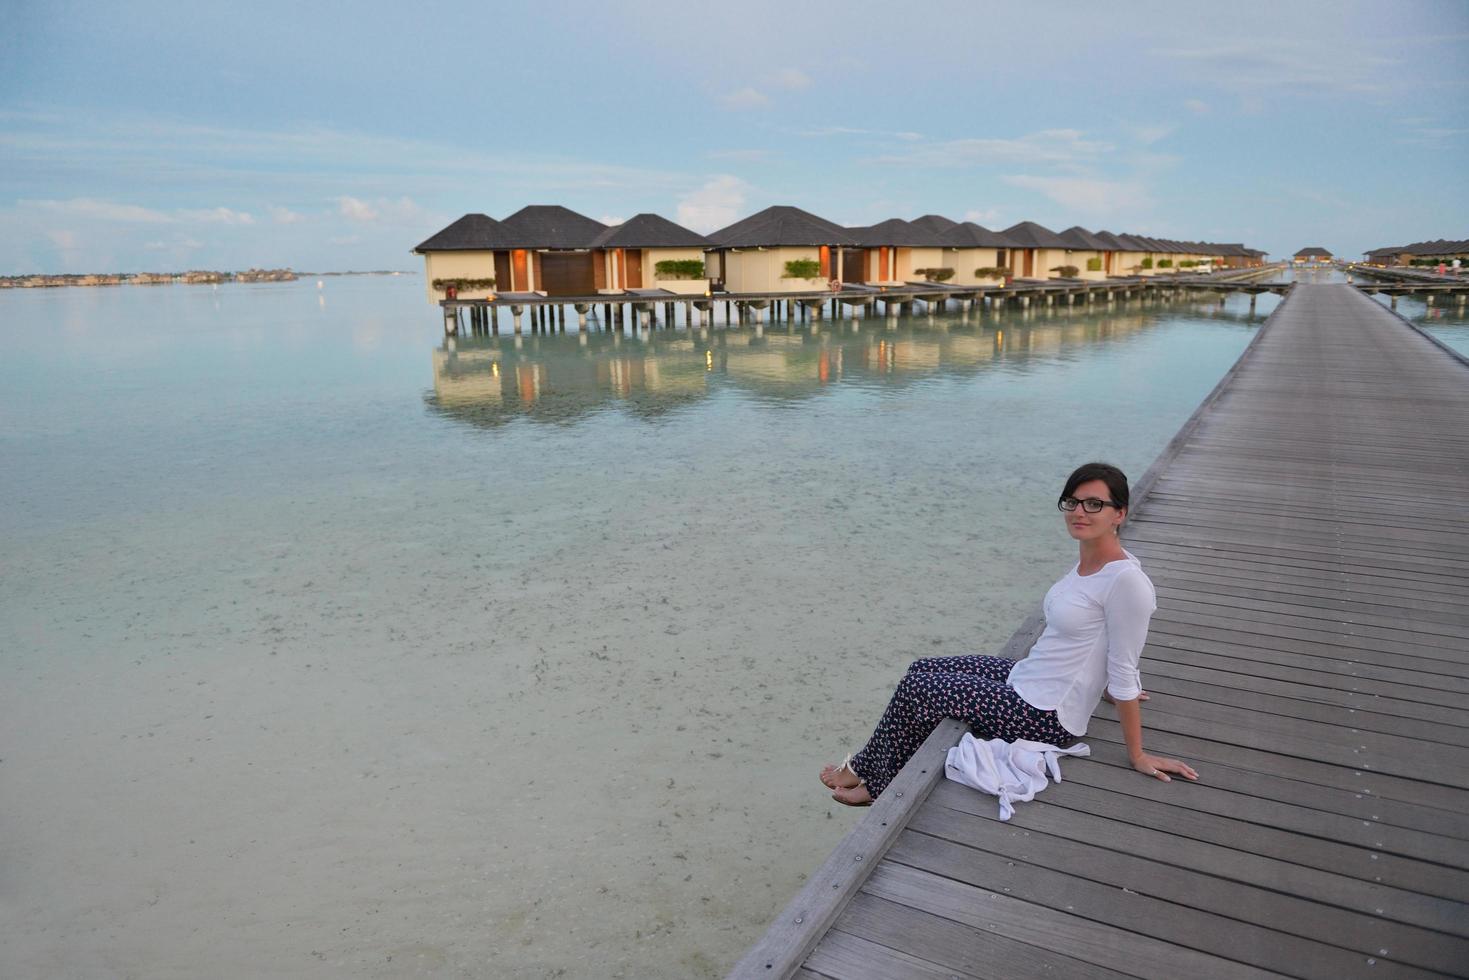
1312, 255
978, 255
1091, 256
1123, 256
650, 252
892, 252
462, 255
1432, 253
779, 250
550, 252
1038, 251
554, 251
1152, 251
1234, 255
541, 248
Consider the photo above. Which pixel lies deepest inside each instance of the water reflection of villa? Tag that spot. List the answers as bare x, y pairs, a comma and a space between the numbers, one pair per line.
561, 378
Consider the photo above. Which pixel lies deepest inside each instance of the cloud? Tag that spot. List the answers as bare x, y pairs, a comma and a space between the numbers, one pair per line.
402, 210
1057, 147
717, 203
609, 220
1150, 134
223, 216
989, 217
62, 239
283, 216
791, 78
1287, 65
181, 244
907, 136
745, 98
352, 208
1090, 196
91, 208
292, 160
1198, 106
744, 156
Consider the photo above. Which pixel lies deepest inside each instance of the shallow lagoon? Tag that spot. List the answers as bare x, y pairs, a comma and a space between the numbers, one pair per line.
334, 649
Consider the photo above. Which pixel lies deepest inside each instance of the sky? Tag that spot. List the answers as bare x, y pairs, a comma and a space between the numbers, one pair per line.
327, 136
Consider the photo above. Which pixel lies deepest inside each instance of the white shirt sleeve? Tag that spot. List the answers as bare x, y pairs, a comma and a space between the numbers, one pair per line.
1128, 609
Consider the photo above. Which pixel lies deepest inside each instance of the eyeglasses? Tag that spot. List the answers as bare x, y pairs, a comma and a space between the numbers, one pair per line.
1091, 505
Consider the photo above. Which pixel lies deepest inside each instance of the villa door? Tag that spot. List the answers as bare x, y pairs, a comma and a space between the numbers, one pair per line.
566, 274
1029, 263
634, 269
854, 265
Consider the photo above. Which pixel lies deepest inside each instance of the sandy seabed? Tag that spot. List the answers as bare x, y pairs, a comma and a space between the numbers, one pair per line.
400, 722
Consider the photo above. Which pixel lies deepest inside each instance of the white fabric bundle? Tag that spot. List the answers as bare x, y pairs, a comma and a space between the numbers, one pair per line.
1013, 771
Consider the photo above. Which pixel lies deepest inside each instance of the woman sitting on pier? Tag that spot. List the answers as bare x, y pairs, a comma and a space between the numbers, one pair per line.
1096, 622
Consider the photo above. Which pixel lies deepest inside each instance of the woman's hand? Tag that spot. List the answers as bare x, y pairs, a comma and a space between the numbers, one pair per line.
1159, 767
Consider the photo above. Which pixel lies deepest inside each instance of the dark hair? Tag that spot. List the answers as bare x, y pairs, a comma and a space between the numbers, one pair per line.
1115, 479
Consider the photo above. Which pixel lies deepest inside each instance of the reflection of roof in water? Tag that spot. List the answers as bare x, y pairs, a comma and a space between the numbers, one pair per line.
562, 378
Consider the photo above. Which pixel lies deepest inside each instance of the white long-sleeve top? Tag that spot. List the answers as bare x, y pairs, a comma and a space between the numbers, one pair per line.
1095, 628
1013, 771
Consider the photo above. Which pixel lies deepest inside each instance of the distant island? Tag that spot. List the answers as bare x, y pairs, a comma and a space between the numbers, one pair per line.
192, 277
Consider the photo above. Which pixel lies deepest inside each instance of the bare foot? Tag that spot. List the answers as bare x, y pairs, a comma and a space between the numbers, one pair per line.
839, 777
853, 796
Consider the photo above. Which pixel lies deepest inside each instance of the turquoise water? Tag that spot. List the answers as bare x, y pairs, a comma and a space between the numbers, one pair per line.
336, 648
1447, 322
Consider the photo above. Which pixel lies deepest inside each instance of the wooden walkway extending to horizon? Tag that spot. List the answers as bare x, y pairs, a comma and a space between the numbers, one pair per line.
1308, 534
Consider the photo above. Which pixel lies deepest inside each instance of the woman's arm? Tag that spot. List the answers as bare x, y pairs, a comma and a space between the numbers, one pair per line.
1130, 714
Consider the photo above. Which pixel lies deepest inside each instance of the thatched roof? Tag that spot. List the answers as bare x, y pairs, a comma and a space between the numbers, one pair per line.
473, 232
1028, 234
649, 231
551, 226
895, 232
781, 225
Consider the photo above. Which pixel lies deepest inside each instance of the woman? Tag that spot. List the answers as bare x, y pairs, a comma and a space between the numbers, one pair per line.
1096, 622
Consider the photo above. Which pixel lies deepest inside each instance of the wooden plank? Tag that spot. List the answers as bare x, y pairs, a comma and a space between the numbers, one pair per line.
1110, 771
1265, 903
1307, 659
843, 956
1293, 566
1246, 854
1414, 882
1184, 678
1210, 745
1387, 624
1196, 583
953, 945
1360, 640
1110, 903
985, 911
1220, 702
797, 930
1434, 771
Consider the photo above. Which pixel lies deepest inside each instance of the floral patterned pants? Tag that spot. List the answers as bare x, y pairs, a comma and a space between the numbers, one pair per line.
972, 689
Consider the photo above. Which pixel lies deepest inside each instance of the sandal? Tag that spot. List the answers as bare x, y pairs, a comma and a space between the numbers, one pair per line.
829, 774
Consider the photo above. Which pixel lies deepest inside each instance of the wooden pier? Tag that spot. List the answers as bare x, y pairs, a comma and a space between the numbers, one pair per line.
1433, 289
654, 307
1308, 534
